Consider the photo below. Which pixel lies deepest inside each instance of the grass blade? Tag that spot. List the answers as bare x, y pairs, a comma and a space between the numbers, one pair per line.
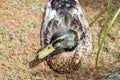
106, 30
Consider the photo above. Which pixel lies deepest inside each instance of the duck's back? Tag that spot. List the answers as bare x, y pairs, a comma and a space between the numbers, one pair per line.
62, 14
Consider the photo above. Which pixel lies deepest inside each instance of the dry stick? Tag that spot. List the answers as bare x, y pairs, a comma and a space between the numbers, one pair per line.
100, 14
101, 31
96, 18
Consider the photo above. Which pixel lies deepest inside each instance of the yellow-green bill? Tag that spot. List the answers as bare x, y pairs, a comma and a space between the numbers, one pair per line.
46, 51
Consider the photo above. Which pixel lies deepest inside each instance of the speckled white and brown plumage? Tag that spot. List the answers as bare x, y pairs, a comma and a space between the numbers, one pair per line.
66, 14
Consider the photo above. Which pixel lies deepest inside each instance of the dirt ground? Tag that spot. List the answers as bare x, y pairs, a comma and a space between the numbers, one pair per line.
20, 23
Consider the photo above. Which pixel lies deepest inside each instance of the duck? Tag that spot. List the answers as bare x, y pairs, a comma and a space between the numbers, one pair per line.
65, 36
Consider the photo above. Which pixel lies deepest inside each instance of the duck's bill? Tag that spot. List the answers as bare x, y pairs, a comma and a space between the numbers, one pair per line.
46, 51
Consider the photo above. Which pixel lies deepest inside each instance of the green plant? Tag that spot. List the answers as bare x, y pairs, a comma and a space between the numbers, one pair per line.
106, 30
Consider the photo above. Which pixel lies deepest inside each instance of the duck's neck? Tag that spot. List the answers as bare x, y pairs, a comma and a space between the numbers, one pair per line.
65, 39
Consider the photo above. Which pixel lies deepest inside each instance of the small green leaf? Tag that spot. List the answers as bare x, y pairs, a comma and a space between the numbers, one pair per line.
119, 56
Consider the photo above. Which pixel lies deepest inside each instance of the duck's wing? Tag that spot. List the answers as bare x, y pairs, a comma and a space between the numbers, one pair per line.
48, 23
63, 17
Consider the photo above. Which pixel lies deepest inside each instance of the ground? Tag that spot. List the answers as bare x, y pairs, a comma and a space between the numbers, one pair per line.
20, 23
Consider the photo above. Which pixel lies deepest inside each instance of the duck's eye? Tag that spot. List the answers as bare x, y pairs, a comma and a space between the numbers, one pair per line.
48, 47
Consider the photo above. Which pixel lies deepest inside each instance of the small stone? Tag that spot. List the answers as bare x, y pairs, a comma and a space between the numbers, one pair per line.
118, 33
32, 25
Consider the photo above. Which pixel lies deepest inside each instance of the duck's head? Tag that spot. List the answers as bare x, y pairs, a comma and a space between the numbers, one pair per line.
64, 39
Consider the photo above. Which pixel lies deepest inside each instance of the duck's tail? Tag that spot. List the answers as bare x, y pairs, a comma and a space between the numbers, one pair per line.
63, 4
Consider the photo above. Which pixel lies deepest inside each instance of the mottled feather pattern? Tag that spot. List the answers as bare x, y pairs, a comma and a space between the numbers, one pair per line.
58, 16
55, 4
